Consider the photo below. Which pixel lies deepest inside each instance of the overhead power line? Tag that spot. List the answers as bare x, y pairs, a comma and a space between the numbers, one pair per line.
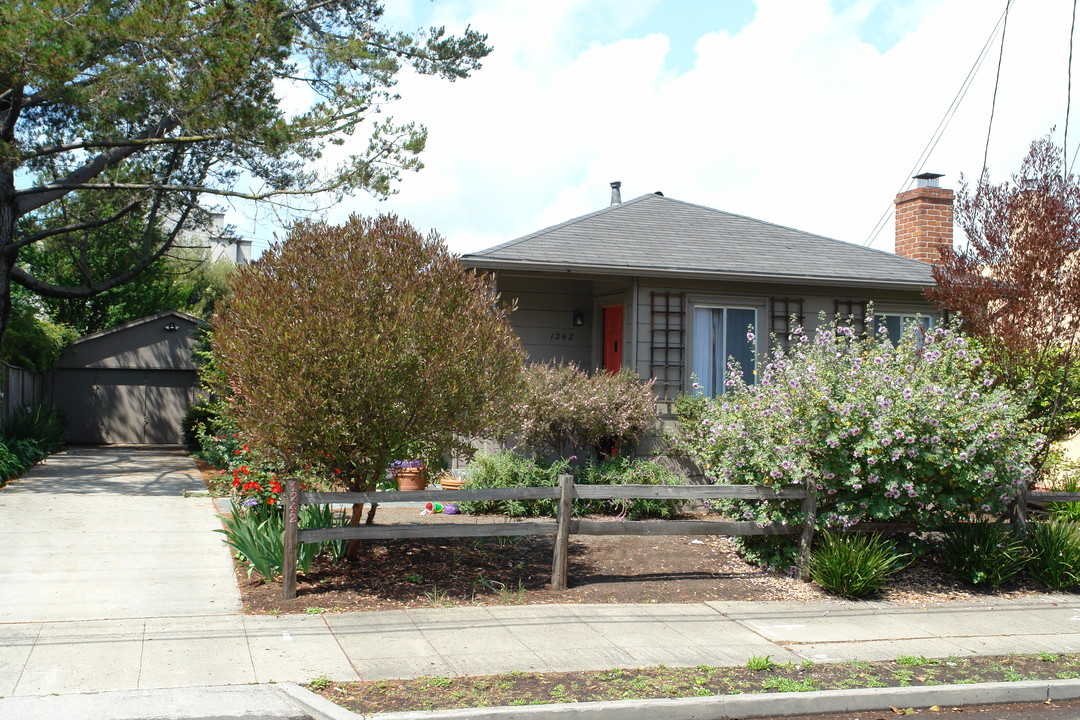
997, 81
941, 127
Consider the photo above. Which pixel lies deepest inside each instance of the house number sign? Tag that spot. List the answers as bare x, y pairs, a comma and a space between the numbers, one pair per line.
561, 335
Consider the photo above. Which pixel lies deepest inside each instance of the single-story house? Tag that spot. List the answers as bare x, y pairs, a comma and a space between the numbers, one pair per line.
670, 288
129, 384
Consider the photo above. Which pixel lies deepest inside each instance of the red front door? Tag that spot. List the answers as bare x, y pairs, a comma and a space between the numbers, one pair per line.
613, 338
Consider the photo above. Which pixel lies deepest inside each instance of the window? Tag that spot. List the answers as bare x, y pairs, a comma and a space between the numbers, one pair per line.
719, 334
897, 324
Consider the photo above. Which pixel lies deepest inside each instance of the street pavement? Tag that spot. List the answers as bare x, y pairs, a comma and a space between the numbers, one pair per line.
113, 583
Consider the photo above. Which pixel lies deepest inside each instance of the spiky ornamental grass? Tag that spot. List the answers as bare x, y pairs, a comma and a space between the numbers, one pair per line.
1054, 547
854, 566
981, 552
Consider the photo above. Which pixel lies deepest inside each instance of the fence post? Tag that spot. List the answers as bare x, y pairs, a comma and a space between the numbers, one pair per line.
806, 539
288, 556
1020, 508
562, 535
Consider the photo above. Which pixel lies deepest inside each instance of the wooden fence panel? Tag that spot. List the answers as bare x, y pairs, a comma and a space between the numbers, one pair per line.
678, 527
689, 492
433, 530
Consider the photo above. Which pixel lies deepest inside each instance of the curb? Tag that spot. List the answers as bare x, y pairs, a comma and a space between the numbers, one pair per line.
315, 705
719, 707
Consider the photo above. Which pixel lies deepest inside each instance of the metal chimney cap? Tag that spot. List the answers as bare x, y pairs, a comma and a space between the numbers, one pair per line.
616, 184
928, 179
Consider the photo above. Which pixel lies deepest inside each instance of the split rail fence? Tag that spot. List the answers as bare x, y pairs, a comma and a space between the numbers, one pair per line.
565, 525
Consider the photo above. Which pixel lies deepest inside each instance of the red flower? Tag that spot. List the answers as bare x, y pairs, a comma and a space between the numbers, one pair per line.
275, 487
236, 482
270, 501
245, 448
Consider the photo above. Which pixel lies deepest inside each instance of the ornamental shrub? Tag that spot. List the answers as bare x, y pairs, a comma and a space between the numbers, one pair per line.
914, 433
346, 347
854, 565
624, 470
1054, 547
508, 469
981, 552
564, 410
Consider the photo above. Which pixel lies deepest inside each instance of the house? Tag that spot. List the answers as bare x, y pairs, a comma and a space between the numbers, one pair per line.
671, 288
129, 384
210, 235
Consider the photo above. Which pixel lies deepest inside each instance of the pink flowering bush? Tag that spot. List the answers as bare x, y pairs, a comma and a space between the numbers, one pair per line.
565, 410
914, 433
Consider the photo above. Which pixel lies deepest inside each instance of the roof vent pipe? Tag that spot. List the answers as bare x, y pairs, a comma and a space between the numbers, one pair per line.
616, 196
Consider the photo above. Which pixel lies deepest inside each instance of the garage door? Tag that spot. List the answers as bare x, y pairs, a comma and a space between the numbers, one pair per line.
124, 406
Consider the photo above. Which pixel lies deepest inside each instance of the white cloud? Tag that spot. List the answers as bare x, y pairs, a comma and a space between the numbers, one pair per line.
797, 118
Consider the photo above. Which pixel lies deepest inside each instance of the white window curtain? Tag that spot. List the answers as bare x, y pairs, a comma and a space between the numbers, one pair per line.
719, 334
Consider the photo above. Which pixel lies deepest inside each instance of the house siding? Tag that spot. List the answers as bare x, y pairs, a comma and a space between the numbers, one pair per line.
545, 311
815, 301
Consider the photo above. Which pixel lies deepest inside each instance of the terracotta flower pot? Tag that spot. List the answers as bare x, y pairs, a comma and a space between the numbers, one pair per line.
411, 478
449, 482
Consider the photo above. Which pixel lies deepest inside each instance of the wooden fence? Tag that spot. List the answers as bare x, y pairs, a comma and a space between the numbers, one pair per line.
563, 527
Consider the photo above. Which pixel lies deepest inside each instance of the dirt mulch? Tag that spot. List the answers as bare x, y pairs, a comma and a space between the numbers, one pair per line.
393, 574
439, 693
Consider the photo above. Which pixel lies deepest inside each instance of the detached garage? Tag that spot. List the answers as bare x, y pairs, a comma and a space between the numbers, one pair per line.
129, 384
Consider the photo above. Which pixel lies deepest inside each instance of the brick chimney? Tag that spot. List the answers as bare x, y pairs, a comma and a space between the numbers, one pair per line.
924, 220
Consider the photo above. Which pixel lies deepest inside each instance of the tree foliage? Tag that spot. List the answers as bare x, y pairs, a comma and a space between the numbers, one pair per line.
348, 347
123, 113
1017, 283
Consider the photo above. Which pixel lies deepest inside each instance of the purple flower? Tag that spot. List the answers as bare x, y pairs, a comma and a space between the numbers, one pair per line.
250, 503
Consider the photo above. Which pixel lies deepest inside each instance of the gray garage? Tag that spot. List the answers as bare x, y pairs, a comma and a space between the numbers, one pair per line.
129, 384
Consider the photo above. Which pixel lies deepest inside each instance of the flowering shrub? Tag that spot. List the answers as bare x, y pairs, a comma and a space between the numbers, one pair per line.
563, 409
912, 433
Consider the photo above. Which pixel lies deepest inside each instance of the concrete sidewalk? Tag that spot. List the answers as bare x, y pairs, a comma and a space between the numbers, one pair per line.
129, 654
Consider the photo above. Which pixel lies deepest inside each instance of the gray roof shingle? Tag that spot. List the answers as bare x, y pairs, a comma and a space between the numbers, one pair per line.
663, 236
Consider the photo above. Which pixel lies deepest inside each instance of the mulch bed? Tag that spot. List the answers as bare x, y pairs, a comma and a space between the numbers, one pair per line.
439, 693
392, 574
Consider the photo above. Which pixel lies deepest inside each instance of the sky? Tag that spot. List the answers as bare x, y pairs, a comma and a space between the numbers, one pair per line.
811, 114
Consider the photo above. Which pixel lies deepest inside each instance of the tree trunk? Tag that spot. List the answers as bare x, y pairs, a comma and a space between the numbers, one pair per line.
353, 551
7, 237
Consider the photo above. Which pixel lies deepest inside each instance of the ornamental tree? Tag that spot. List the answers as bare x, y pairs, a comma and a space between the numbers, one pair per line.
915, 433
123, 115
1016, 285
347, 347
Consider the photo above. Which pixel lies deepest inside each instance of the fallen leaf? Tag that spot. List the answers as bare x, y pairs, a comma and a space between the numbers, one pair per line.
935, 708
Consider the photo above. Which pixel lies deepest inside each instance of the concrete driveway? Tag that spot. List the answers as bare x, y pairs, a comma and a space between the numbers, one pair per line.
106, 533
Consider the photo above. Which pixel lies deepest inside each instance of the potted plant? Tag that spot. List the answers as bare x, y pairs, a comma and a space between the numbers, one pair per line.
410, 474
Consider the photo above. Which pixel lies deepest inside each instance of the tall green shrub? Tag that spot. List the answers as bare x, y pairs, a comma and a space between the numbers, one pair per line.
346, 347
912, 433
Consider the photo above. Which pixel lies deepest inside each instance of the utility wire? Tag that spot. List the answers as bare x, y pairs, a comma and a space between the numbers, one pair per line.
997, 81
939, 131
1068, 98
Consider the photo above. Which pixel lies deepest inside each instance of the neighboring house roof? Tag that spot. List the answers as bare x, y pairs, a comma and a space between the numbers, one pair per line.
660, 236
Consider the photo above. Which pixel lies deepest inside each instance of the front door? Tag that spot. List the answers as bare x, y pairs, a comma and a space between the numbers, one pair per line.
613, 338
